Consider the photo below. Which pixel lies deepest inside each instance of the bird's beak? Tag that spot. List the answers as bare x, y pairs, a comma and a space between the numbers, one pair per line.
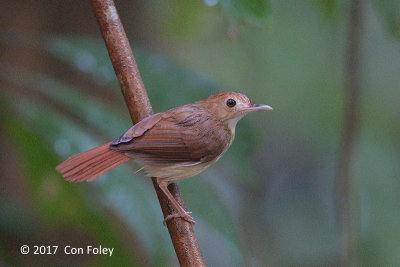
257, 107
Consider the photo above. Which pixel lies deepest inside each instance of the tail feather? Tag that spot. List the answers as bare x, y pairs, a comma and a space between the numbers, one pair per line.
86, 162
90, 164
108, 168
98, 168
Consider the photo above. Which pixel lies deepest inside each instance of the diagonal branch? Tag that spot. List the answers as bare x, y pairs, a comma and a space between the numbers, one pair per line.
181, 232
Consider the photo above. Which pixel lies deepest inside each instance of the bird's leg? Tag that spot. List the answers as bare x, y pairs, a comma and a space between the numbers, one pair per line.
181, 212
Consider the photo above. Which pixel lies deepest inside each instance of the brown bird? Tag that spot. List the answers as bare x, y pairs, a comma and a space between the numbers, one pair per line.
171, 145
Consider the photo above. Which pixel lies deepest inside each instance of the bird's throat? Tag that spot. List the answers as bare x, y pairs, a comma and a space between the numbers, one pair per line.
231, 124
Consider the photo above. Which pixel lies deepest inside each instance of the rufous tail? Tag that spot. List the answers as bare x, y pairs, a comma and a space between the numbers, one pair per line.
90, 164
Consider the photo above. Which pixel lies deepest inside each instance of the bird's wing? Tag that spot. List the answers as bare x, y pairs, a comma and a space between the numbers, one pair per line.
138, 129
173, 137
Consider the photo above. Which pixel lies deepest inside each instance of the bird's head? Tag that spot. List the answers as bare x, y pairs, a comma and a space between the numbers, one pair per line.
230, 107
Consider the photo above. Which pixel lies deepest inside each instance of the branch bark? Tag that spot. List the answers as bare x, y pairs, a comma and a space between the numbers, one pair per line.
182, 235
343, 179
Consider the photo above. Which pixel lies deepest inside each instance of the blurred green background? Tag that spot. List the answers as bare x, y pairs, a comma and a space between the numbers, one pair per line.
270, 200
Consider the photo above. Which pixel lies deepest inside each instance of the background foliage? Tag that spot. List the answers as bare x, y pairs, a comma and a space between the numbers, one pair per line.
269, 200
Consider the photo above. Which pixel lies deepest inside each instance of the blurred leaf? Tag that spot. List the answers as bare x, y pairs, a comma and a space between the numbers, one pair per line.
250, 11
183, 16
329, 6
389, 10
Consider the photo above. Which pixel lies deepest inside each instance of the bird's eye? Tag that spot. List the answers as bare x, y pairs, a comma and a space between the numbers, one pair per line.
230, 103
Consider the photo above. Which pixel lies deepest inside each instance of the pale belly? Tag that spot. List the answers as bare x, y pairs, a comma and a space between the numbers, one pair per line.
175, 172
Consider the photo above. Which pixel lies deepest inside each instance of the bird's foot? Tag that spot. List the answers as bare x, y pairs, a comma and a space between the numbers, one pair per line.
184, 215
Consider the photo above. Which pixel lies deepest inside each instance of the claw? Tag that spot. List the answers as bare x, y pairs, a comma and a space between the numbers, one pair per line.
186, 216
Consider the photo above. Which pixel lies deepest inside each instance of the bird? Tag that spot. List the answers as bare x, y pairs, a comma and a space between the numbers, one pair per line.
173, 145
